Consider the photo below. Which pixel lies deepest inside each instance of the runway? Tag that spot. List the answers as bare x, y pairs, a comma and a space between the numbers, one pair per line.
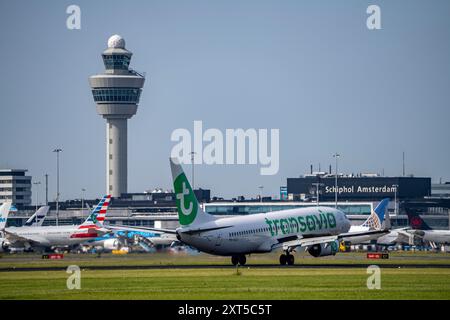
227, 266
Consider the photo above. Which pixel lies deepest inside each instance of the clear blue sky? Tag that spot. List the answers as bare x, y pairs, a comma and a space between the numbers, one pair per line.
309, 68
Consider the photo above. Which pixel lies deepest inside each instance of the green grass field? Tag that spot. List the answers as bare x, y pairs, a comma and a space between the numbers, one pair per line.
224, 283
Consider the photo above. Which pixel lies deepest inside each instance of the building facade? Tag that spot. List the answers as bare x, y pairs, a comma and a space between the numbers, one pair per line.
358, 188
15, 187
441, 190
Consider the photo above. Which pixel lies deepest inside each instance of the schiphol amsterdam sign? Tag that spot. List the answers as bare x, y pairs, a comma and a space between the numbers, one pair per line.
361, 189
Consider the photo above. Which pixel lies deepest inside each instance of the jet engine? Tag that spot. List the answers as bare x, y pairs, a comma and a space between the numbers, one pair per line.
4, 245
324, 249
111, 244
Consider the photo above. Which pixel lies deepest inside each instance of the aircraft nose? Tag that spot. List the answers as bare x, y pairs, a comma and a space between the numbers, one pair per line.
347, 223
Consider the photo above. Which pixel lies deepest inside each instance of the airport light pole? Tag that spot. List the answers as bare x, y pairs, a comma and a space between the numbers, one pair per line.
261, 188
57, 150
37, 183
193, 153
46, 189
318, 185
395, 198
82, 200
336, 156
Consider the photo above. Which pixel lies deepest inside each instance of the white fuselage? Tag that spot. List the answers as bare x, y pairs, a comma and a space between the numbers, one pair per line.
360, 239
437, 236
259, 233
407, 236
50, 236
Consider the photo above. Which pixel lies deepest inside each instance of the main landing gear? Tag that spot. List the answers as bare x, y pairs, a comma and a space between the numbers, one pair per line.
239, 259
287, 259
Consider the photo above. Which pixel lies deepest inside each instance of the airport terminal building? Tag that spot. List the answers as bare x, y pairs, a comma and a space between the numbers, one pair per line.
15, 186
357, 197
406, 194
358, 188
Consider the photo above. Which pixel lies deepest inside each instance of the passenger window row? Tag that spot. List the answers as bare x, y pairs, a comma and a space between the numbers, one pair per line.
247, 232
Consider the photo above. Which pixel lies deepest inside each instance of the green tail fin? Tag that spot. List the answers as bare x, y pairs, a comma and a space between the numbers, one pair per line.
189, 210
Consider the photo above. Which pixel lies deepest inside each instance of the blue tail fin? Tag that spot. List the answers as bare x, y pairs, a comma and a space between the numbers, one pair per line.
376, 218
380, 210
415, 221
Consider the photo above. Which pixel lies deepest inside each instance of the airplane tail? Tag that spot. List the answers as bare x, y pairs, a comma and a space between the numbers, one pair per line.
416, 221
37, 219
97, 216
376, 218
4, 212
189, 211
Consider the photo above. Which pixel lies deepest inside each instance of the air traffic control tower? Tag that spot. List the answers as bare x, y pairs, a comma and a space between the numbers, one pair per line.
116, 93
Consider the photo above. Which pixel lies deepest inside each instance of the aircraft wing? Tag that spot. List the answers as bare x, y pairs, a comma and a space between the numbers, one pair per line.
307, 242
362, 233
160, 230
16, 239
416, 232
139, 229
405, 236
200, 230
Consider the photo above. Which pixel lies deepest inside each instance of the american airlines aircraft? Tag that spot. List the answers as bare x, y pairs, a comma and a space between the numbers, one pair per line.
58, 236
318, 229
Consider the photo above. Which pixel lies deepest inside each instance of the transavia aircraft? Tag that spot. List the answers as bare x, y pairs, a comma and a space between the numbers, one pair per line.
318, 229
57, 236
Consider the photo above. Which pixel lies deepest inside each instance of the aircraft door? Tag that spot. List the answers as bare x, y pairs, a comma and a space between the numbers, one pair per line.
219, 239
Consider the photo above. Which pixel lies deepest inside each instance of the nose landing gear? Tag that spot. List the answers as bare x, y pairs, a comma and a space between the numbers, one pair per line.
239, 259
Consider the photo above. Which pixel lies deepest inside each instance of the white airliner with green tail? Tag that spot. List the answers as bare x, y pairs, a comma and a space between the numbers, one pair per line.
317, 229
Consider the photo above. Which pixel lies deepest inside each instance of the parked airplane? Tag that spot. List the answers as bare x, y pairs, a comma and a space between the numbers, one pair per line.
421, 229
418, 229
318, 229
108, 241
59, 236
37, 219
375, 221
395, 236
4, 212
123, 237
